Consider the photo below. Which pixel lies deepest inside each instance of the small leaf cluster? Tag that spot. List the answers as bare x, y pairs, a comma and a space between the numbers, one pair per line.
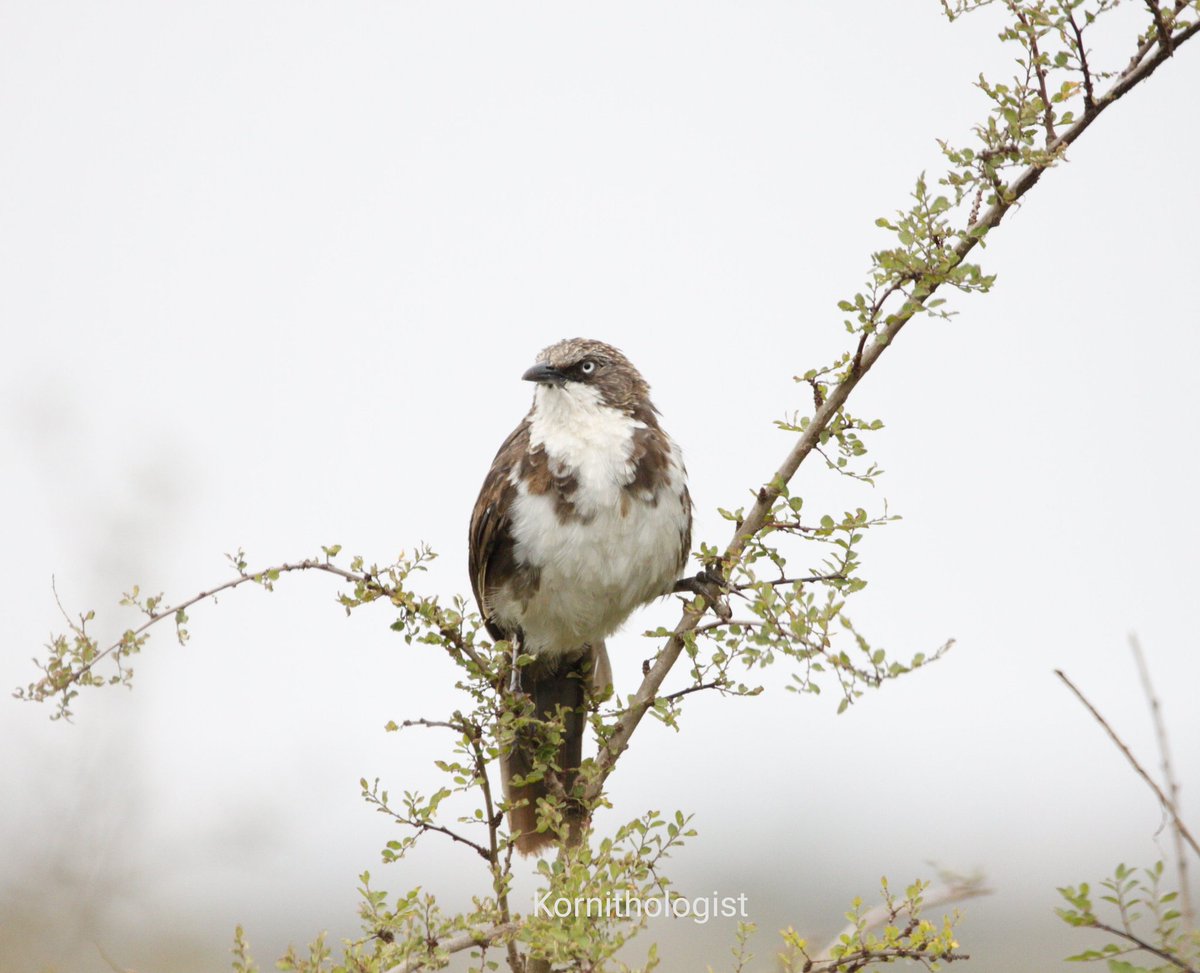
1143, 919
797, 616
407, 932
842, 433
71, 658
903, 934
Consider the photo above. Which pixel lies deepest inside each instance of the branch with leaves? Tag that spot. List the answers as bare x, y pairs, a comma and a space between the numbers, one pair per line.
1133, 898
1172, 935
905, 932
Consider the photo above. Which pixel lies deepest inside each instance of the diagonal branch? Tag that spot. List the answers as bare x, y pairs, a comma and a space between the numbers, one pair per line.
1140, 943
1165, 801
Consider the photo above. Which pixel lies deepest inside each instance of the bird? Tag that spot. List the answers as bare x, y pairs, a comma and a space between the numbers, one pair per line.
583, 517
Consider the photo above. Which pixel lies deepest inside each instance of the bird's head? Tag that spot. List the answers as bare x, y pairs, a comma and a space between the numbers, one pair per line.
589, 372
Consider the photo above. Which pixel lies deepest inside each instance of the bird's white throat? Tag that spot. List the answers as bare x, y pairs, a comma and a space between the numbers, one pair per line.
586, 438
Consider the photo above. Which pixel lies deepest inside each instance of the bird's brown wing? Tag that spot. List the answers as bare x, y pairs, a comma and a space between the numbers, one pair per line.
649, 457
685, 540
491, 542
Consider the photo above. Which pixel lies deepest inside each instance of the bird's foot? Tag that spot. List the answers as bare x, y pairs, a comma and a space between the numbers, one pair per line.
711, 587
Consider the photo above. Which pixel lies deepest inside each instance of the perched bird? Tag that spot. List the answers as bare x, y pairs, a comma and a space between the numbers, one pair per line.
583, 517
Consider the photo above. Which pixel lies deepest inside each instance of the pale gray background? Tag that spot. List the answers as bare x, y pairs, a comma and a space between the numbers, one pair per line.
269, 275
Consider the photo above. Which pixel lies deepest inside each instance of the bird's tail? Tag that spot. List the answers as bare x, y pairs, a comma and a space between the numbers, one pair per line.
558, 689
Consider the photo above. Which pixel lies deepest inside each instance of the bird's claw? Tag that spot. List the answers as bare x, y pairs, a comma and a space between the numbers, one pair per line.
711, 587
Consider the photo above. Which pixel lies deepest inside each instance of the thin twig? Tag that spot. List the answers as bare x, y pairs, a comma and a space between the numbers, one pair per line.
423, 826
441, 829
1165, 801
1168, 772
157, 616
1089, 94
1035, 59
699, 687
498, 870
726, 622
810, 579
456, 727
1160, 25
369, 581
719, 684
1142, 944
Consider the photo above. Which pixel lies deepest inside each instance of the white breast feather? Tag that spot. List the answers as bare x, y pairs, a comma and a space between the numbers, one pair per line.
597, 569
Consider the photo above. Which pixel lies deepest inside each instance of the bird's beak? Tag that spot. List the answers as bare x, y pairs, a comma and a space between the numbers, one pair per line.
544, 374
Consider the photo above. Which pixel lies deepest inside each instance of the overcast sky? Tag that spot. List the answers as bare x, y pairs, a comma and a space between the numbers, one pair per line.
269, 275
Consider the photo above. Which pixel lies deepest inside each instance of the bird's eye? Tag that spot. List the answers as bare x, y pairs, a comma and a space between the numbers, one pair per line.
587, 367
